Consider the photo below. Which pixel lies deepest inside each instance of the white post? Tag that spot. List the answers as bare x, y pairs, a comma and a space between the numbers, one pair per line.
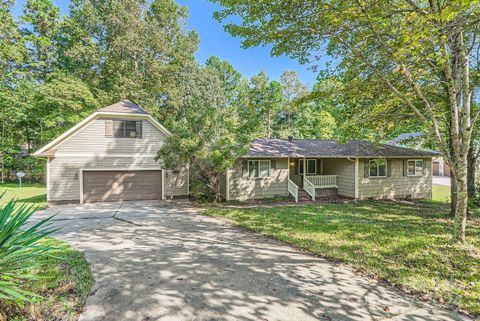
47, 179
163, 182
356, 177
227, 185
288, 166
304, 167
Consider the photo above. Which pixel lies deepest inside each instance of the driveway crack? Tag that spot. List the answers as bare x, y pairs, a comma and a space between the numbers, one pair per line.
114, 216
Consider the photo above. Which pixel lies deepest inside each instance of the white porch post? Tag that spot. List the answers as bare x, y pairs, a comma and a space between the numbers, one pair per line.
304, 167
288, 166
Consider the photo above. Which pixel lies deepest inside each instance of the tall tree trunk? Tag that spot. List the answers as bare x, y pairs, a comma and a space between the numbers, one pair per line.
461, 200
471, 171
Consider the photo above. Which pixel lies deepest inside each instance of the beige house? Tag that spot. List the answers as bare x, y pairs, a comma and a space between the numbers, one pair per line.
110, 156
316, 168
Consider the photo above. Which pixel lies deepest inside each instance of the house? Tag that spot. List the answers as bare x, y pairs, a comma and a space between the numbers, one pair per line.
357, 169
110, 156
416, 140
440, 167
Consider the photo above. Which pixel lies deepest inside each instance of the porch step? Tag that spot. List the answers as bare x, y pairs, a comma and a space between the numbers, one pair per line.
303, 195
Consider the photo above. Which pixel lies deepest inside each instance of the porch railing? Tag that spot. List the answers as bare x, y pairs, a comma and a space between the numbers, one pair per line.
322, 181
293, 189
309, 188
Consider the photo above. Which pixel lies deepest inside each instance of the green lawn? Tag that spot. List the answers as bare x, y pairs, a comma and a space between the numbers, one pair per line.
29, 193
65, 284
405, 243
441, 193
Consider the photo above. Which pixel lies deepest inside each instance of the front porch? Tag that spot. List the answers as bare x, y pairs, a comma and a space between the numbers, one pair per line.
307, 175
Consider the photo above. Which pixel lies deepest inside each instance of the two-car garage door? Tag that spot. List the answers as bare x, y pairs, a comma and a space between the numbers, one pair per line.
128, 185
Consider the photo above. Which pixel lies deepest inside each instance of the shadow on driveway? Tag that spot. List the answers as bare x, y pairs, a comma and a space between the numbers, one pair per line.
162, 261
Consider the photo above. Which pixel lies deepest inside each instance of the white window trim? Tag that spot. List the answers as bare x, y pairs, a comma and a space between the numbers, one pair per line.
415, 167
378, 176
259, 160
123, 121
300, 161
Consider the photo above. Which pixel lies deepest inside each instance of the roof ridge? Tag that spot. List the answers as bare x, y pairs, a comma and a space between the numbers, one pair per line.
124, 106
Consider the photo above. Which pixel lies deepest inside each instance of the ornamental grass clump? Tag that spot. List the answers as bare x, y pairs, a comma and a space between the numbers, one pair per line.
20, 250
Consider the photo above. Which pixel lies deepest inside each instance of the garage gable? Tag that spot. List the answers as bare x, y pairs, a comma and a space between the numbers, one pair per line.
90, 135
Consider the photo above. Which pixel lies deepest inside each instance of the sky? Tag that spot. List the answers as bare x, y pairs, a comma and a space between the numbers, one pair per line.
215, 41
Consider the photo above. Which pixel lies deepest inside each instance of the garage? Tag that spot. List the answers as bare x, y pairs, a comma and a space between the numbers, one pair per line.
436, 169
125, 185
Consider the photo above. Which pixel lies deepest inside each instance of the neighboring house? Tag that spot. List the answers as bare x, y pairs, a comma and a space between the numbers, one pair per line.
110, 156
357, 169
416, 140
440, 167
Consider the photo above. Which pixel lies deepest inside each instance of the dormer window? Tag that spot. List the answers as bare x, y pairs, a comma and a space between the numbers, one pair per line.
123, 128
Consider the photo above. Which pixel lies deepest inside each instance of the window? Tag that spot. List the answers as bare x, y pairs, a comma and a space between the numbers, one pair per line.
415, 167
378, 168
311, 166
259, 168
123, 128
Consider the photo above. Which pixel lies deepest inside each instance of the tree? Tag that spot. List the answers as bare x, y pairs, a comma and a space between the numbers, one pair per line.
206, 135
292, 89
12, 56
229, 77
132, 48
265, 99
424, 52
41, 23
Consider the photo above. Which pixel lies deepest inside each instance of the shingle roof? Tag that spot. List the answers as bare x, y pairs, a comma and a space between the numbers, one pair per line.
125, 107
328, 148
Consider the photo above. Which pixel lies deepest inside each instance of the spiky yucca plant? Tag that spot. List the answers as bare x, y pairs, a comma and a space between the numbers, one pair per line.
20, 249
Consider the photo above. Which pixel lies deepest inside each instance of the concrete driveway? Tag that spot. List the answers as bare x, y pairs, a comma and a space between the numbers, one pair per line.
159, 261
441, 180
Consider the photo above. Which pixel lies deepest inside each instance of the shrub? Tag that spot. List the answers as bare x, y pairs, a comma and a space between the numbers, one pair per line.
20, 248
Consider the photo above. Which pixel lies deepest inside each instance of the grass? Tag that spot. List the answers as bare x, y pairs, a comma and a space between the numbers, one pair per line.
406, 244
35, 194
441, 193
65, 282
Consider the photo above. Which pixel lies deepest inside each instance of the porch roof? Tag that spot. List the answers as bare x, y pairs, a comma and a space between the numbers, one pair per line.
329, 148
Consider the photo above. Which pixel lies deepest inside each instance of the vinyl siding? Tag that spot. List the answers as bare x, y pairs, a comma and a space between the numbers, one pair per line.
396, 185
90, 149
91, 139
345, 170
223, 185
242, 187
176, 182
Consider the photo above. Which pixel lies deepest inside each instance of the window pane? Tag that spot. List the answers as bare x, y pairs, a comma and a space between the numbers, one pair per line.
419, 167
118, 128
251, 169
411, 168
130, 128
311, 166
373, 169
300, 166
264, 168
382, 170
